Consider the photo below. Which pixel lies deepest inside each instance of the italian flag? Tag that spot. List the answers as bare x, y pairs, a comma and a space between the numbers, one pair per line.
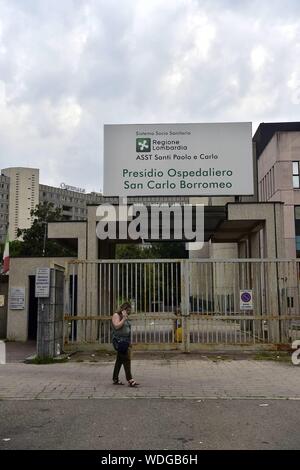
5, 264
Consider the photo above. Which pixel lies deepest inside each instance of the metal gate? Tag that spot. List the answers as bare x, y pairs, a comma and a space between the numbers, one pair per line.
184, 304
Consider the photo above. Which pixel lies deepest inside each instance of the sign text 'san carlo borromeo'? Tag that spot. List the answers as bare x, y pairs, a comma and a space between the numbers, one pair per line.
178, 159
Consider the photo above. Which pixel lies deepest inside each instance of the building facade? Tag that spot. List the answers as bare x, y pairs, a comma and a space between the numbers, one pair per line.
72, 203
23, 197
20, 192
4, 206
278, 169
276, 156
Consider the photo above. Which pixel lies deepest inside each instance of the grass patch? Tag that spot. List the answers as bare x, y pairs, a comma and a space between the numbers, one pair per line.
273, 356
46, 360
92, 356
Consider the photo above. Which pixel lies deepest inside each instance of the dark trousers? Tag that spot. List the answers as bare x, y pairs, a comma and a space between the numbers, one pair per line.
123, 359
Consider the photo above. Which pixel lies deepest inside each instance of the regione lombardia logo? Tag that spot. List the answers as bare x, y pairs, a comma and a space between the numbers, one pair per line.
143, 144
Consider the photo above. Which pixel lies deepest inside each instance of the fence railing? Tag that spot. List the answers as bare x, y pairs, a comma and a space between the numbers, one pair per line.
184, 303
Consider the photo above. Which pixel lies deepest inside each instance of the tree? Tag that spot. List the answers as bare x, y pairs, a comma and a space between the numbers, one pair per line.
156, 250
131, 251
167, 250
35, 242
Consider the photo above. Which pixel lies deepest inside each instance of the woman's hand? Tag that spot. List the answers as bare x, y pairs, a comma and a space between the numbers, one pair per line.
124, 314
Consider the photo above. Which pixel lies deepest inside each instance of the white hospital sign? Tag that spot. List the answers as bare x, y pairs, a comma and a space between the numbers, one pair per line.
178, 159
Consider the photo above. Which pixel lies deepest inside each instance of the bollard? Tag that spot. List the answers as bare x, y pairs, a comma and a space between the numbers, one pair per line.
2, 352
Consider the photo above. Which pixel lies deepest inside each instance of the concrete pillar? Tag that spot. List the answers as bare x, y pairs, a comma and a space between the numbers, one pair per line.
198, 281
242, 249
185, 305
50, 318
92, 240
254, 243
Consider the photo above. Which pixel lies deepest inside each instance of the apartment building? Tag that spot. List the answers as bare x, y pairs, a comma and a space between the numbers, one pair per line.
20, 192
73, 203
4, 206
23, 197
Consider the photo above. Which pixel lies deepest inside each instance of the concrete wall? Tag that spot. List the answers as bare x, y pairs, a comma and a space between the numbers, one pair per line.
20, 270
271, 216
70, 230
3, 309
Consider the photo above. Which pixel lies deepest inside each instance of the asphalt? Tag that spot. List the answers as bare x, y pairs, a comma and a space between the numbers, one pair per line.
148, 424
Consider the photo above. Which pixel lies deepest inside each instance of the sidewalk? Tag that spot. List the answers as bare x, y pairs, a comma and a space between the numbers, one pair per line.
17, 351
178, 377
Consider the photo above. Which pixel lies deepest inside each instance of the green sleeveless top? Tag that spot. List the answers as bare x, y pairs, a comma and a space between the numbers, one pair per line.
124, 332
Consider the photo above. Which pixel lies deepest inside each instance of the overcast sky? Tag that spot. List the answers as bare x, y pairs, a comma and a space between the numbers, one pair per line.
69, 66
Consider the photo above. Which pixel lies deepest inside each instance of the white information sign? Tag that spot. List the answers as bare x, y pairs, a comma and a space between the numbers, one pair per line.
42, 282
246, 300
178, 159
17, 298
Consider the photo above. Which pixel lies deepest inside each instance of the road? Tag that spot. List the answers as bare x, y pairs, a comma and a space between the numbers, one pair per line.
150, 424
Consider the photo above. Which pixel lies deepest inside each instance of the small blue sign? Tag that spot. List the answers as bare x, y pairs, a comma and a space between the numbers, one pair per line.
246, 297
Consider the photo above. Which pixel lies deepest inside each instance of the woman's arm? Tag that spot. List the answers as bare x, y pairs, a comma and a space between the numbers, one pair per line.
117, 322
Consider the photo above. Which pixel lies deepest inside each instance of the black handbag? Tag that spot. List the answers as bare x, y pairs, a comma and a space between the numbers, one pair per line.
120, 344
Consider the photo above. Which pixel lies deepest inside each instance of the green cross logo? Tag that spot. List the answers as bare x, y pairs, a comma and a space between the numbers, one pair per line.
143, 144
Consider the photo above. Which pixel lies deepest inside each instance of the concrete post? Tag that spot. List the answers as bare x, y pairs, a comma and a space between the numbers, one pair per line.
185, 305
50, 318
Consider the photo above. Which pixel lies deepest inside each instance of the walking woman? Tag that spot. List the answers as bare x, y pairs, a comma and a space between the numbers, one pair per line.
122, 343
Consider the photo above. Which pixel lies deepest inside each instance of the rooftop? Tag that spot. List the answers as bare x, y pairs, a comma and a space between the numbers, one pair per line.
266, 131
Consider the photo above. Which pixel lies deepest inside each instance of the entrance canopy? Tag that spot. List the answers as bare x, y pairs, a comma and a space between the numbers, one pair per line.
231, 223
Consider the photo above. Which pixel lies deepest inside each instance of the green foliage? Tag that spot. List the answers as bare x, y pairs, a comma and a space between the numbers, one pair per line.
154, 251
168, 250
35, 237
15, 248
131, 251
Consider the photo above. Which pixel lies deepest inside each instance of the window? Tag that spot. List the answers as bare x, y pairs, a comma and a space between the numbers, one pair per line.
297, 230
296, 175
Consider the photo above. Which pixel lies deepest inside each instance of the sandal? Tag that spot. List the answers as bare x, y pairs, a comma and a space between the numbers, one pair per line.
133, 383
118, 382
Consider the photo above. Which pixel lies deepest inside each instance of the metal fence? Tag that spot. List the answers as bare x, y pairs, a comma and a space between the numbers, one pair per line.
184, 303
